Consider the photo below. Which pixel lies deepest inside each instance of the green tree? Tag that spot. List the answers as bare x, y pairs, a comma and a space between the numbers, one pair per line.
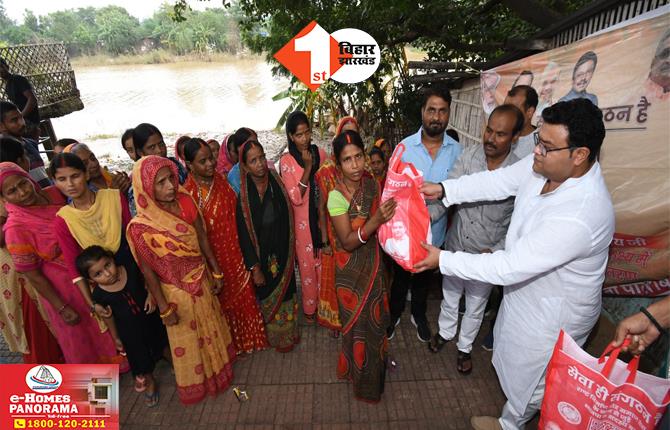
117, 29
466, 30
30, 21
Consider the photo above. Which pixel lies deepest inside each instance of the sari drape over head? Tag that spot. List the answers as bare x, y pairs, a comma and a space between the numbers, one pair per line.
200, 342
33, 245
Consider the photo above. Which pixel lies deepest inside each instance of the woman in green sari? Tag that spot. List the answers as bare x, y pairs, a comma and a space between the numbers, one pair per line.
265, 229
360, 275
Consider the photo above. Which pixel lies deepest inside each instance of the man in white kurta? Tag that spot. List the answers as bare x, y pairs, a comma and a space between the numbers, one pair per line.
553, 264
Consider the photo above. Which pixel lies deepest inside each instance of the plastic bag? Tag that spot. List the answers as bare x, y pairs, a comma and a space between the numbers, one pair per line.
402, 236
583, 392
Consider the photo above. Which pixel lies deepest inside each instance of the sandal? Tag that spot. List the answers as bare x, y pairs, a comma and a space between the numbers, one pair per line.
310, 318
437, 343
151, 399
140, 384
464, 362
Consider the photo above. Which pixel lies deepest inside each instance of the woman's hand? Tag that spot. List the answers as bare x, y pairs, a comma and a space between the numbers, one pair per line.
171, 319
217, 286
307, 159
121, 181
386, 211
69, 316
102, 311
149, 304
257, 275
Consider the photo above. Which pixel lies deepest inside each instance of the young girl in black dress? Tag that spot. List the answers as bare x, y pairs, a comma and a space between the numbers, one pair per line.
141, 330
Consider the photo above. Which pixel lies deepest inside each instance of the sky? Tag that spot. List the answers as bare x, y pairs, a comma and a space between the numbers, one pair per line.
139, 8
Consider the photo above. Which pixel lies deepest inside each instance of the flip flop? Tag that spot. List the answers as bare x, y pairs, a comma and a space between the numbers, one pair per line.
140, 384
151, 399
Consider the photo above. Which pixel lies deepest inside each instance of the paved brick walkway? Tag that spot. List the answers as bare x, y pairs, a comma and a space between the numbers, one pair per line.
299, 390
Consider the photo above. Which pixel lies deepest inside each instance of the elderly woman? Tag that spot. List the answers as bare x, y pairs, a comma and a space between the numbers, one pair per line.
33, 245
169, 241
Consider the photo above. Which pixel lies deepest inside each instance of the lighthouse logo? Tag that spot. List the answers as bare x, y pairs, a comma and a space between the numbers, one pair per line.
43, 379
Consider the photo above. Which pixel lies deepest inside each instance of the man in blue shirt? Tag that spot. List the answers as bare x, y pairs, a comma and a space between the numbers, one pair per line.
433, 153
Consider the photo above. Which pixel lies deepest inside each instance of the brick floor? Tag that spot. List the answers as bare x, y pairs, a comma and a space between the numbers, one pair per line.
299, 390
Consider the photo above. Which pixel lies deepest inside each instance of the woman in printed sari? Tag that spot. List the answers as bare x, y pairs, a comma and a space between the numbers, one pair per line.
23, 320
34, 249
265, 229
326, 178
297, 169
218, 203
360, 276
169, 241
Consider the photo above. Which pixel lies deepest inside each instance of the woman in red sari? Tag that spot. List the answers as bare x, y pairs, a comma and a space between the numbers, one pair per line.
327, 177
218, 202
360, 276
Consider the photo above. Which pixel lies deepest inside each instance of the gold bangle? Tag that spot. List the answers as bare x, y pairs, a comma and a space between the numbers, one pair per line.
168, 312
217, 275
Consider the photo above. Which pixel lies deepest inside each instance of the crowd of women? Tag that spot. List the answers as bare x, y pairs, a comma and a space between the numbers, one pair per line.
192, 258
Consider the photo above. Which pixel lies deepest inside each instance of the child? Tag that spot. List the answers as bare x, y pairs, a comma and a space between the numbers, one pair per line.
142, 333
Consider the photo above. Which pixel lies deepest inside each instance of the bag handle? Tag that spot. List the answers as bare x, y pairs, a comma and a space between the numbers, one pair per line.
396, 157
610, 361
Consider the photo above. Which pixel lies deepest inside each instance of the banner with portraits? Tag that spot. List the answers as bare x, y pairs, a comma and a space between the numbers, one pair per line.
626, 72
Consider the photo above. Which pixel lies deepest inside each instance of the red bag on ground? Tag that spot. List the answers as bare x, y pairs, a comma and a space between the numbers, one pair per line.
401, 237
583, 392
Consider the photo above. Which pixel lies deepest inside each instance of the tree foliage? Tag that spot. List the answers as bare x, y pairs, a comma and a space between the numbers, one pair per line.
465, 30
112, 30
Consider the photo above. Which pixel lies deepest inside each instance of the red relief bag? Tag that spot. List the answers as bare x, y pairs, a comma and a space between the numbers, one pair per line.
402, 236
583, 392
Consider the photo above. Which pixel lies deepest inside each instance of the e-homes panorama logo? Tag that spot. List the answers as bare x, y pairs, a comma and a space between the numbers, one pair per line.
43, 379
348, 55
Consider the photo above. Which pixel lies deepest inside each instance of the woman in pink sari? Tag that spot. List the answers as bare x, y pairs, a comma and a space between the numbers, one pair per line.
34, 249
224, 161
297, 169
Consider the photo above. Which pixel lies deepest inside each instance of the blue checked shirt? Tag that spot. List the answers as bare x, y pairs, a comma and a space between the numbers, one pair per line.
435, 170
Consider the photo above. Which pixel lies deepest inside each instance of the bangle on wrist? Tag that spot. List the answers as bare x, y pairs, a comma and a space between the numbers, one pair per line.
360, 238
168, 312
301, 184
217, 275
444, 191
653, 321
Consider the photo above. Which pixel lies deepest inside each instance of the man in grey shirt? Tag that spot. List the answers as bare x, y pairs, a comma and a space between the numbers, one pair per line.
477, 228
524, 97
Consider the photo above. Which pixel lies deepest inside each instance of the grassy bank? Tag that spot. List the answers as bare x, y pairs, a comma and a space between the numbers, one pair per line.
156, 56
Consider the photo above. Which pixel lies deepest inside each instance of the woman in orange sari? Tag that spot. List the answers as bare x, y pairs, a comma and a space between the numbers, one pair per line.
218, 202
327, 177
169, 242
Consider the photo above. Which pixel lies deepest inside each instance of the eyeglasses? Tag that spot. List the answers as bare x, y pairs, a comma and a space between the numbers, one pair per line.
543, 149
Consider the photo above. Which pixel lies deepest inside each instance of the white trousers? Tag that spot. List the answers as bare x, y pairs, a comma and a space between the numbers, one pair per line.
476, 295
513, 420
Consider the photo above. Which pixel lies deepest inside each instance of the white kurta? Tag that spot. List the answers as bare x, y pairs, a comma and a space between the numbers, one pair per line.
552, 267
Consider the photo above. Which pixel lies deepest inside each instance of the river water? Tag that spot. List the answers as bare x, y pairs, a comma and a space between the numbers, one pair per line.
203, 99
